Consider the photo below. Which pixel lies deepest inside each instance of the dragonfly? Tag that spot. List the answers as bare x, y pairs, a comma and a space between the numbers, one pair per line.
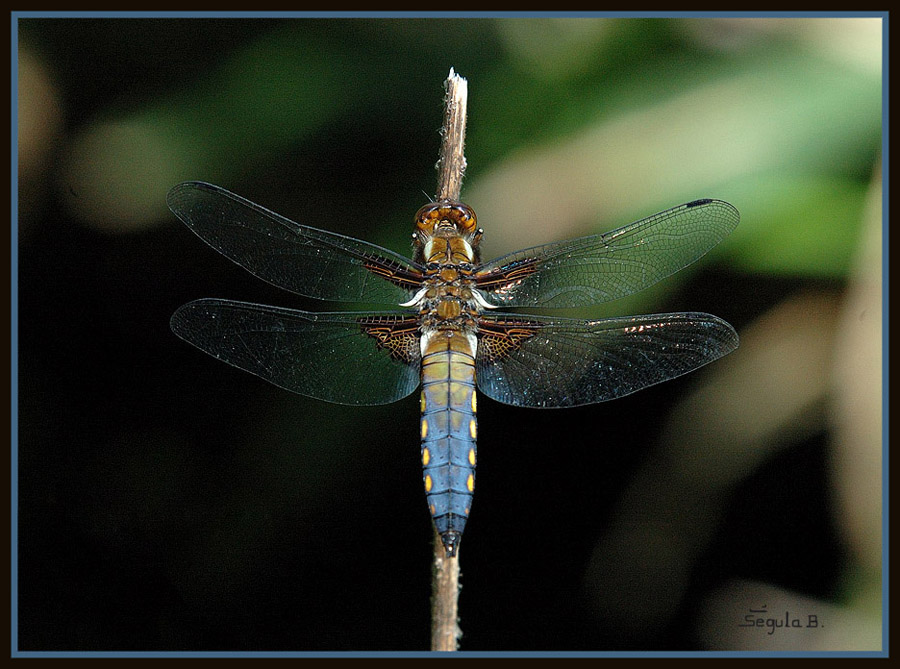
445, 330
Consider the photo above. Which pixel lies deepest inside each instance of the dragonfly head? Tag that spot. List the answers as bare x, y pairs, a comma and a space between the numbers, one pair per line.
446, 220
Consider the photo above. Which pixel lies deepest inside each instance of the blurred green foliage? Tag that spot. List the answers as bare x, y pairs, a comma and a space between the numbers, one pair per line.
805, 127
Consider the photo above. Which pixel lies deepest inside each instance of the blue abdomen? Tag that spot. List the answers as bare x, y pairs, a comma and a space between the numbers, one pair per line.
449, 430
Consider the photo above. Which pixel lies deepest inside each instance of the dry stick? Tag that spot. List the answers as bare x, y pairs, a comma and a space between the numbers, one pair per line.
451, 166
452, 163
445, 632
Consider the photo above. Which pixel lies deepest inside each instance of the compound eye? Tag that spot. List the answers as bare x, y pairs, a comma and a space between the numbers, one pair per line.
427, 212
466, 217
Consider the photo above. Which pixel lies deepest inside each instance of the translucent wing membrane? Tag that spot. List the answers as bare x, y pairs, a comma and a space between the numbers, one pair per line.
304, 260
531, 361
599, 268
347, 358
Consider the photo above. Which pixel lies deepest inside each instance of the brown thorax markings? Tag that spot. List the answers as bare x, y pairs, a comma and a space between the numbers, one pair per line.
446, 242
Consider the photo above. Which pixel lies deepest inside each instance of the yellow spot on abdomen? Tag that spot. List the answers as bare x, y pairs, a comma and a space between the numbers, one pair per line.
470, 483
424, 428
422, 402
428, 484
473, 429
426, 457
474, 409
472, 456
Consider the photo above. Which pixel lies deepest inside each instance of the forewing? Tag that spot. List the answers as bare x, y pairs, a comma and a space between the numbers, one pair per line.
600, 268
560, 362
304, 260
344, 357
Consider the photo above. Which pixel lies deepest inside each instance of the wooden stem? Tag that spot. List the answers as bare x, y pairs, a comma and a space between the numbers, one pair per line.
452, 162
445, 631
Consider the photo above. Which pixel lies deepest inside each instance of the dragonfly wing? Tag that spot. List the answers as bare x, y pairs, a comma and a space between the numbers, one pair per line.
304, 260
531, 361
343, 357
600, 268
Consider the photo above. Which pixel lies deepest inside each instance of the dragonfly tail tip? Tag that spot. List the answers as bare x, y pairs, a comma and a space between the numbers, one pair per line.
451, 542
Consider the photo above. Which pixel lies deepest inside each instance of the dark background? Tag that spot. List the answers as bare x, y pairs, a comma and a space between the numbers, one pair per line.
169, 502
